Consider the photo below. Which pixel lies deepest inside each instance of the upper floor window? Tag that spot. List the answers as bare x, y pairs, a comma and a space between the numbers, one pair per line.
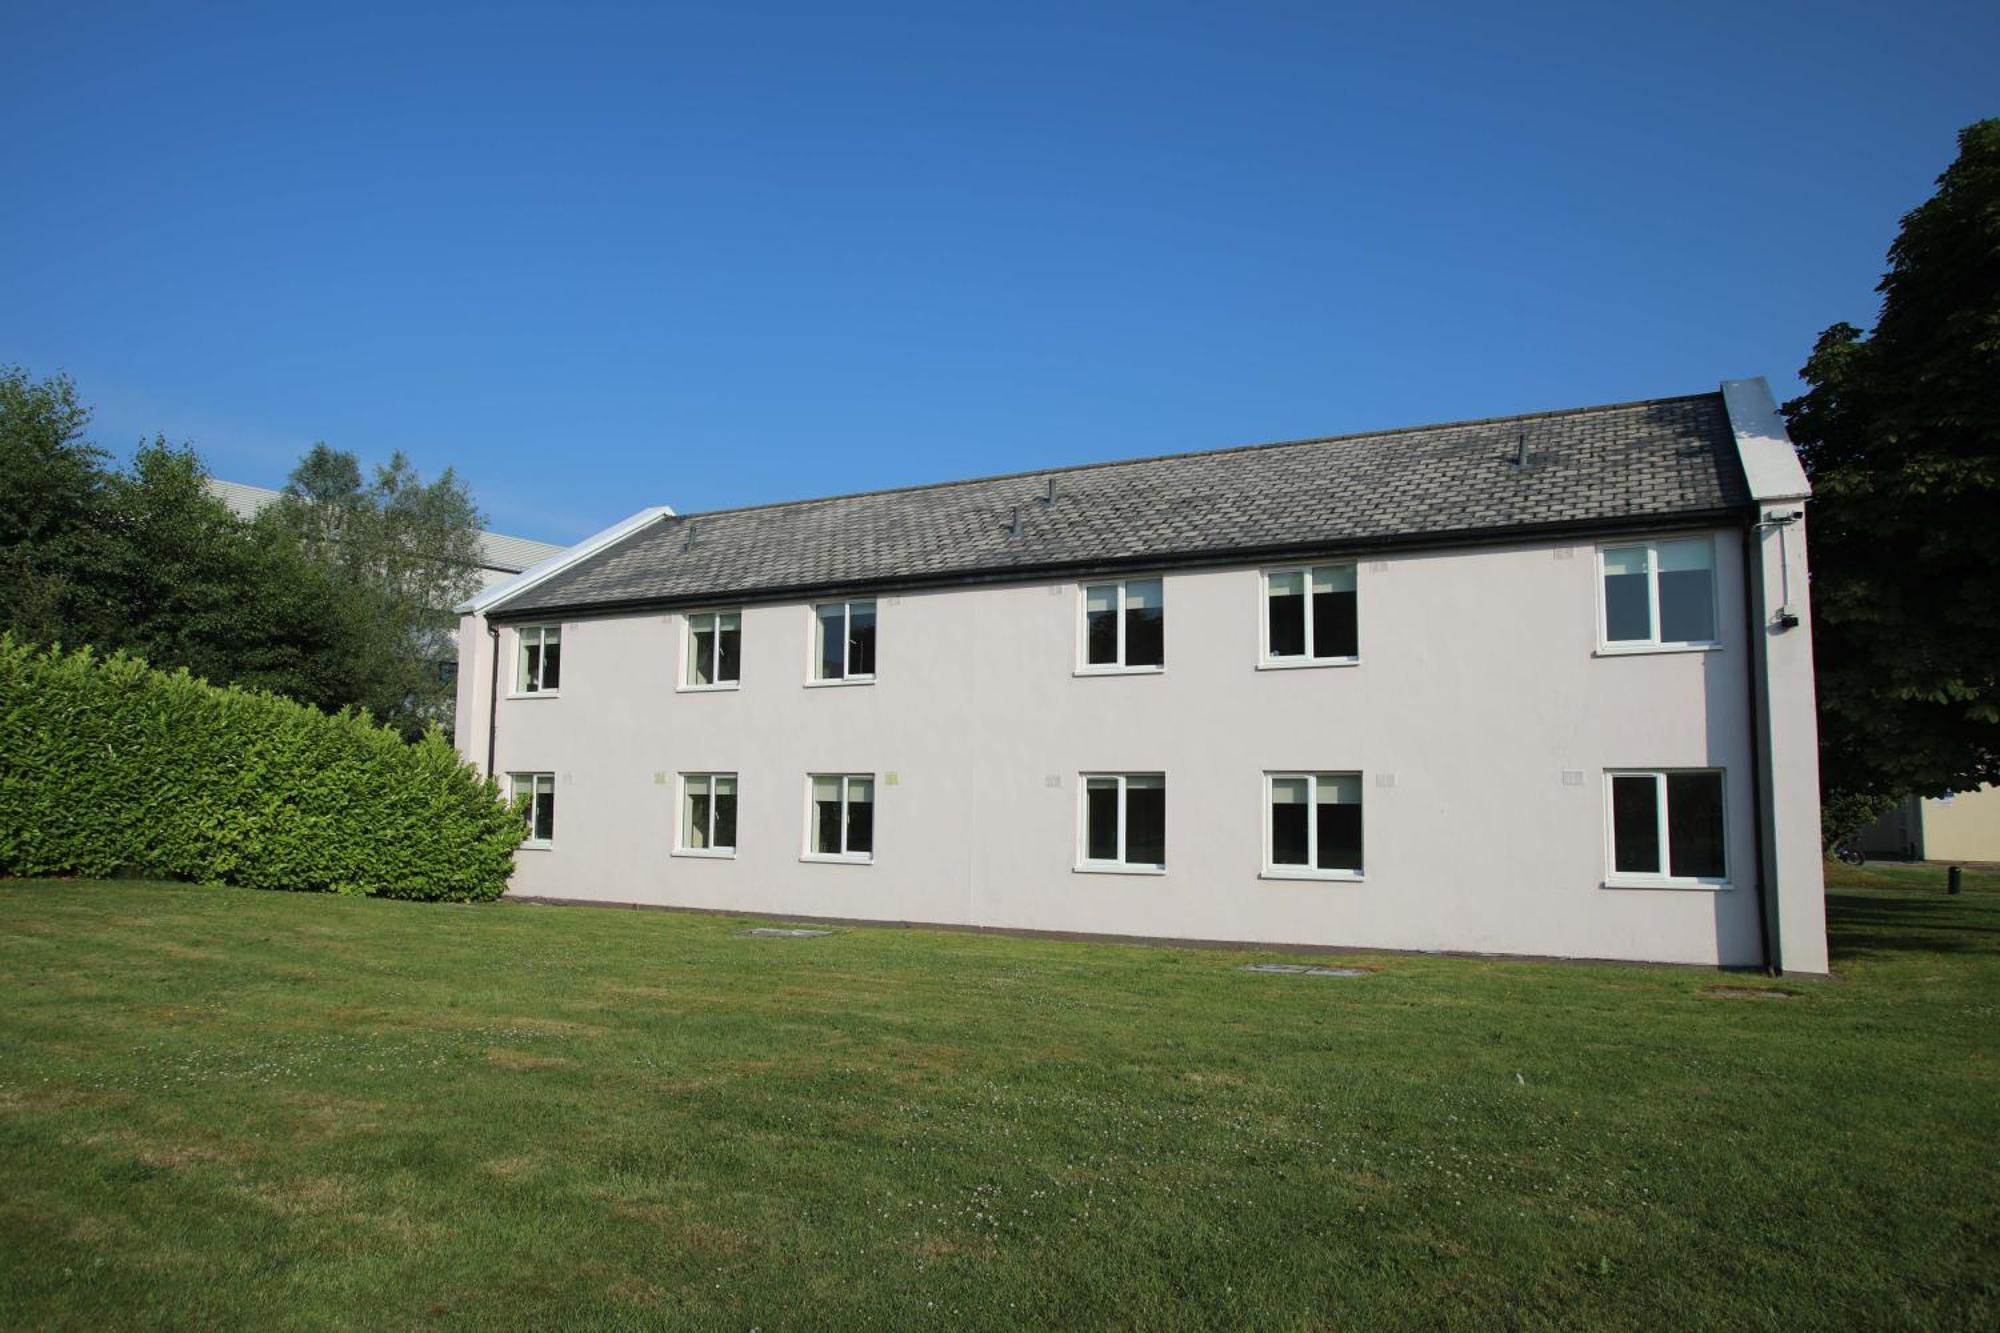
1659, 594
1667, 827
842, 818
844, 641
538, 668
1124, 626
1309, 616
534, 795
1314, 824
1124, 821
708, 814
714, 649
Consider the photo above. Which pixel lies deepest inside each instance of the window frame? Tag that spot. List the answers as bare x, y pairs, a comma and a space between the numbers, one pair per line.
1615, 878
1310, 870
810, 853
814, 660
685, 683
1084, 864
1265, 661
531, 842
1610, 647
710, 852
520, 688
1084, 666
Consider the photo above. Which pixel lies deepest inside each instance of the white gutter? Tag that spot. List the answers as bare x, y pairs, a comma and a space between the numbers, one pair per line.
556, 564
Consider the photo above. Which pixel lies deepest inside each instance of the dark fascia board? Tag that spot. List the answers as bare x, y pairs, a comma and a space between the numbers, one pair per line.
1402, 543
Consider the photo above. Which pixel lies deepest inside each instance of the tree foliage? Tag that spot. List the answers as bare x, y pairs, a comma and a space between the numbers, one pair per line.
1900, 433
339, 605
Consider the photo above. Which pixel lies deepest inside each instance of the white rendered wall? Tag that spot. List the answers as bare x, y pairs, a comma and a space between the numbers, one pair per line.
1479, 685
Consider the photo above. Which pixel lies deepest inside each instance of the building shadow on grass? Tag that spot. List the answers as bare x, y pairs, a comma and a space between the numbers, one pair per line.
1883, 923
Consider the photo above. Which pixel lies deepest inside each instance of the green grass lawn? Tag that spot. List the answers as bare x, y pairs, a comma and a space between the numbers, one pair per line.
221, 1107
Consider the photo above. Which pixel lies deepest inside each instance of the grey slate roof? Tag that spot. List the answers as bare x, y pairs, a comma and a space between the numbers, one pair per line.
1600, 467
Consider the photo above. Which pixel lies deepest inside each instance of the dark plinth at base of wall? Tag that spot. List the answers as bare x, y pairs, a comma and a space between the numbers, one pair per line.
1141, 941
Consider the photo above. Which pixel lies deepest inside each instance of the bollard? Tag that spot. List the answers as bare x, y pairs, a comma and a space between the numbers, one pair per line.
1952, 878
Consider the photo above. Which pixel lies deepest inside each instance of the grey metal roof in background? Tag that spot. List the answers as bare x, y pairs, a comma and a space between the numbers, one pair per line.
1607, 466
500, 556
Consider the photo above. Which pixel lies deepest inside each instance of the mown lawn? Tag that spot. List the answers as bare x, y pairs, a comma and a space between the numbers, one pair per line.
229, 1108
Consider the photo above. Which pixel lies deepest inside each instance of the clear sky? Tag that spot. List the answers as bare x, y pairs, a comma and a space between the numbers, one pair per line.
601, 257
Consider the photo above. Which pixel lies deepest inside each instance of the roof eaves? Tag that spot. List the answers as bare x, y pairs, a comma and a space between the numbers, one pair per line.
494, 597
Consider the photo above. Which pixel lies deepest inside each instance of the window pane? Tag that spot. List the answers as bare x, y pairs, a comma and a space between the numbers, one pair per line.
1100, 615
826, 816
725, 813
861, 639
832, 635
861, 816
520, 788
528, 673
551, 658
1335, 633
1694, 825
694, 822
1687, 591
1146, 821
545, 808
1287, 615
1635, 824
701, 651
1289, 811
1101, 819
729, 649
1145, 624
1338, 812
1628, 603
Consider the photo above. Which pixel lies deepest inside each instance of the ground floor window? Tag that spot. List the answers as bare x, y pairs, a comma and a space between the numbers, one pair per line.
1313, 824
708, 813
1667, 825
843, 816
1125, 821
534, 795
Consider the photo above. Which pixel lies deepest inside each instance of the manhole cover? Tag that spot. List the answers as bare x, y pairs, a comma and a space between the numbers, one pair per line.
779, 933
1301, 970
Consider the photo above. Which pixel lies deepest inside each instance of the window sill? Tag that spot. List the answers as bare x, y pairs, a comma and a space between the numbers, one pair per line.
536, 694
1286, 664
724, 688
1118, 869
1316, 876
823, 859
533, 846
1648, 649
1664, 882
1119, 671
835, 684
706, 854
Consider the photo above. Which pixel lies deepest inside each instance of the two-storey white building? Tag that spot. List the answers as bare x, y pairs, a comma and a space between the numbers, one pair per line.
1537, 685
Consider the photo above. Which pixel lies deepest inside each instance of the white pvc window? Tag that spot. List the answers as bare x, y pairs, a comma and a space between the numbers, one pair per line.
708, 814
1312, 825
534, 795
1124, 626
1666, 827
1658, 594
714, 650
538, 659
1124, 822
844, 641
1309, 615
841, 817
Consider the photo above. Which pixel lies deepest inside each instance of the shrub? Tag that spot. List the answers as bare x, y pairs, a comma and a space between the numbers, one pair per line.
108, 767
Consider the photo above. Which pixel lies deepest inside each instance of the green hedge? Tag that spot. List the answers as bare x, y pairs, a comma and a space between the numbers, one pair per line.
110, 767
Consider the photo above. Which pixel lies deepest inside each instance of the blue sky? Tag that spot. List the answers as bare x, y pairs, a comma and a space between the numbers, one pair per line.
603, 257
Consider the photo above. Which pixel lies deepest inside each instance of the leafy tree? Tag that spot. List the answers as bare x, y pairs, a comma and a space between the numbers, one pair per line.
407, 548
1900, 433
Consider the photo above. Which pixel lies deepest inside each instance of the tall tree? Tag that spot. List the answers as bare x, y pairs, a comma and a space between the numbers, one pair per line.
407, 548
1900, 433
